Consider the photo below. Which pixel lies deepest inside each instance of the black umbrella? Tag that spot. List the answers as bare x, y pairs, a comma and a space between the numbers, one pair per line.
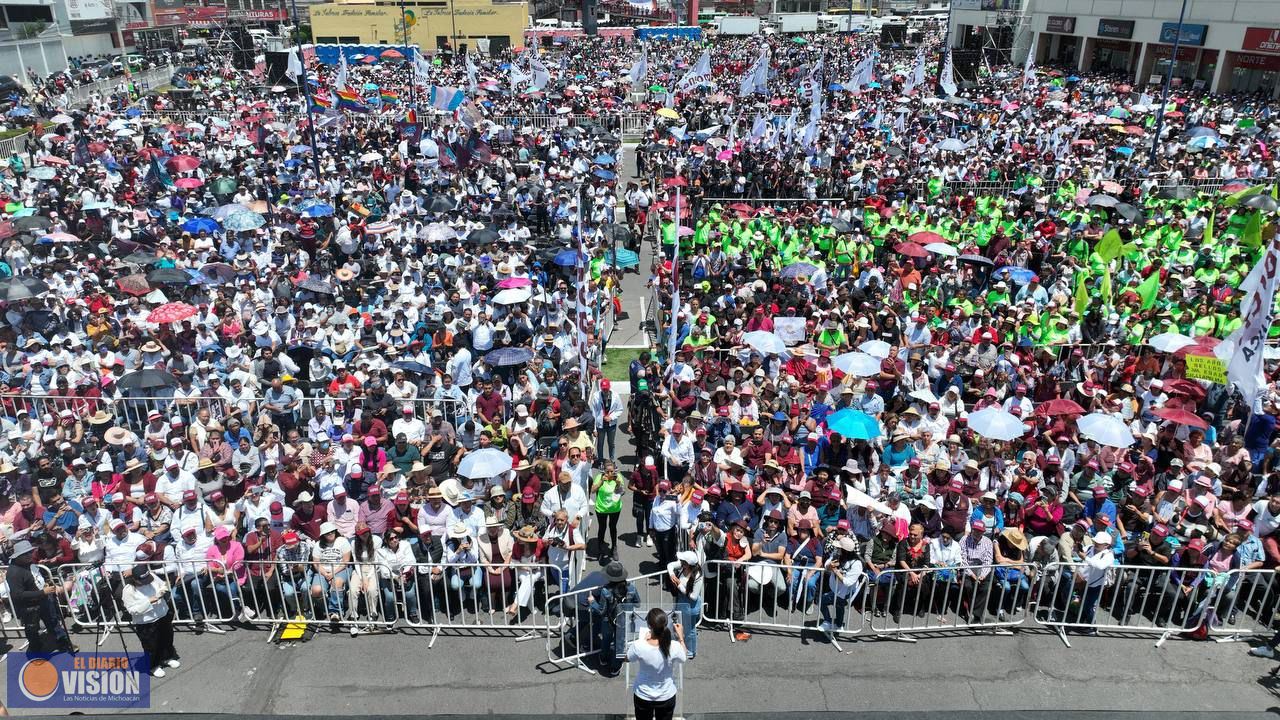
894, 151
1129, 212
505, 357
1103, 201
976, 260
413, 367
482, 236
148, 379
32, 222
617, 233
1261, 201
317, 284
21, 288
139, 257
440, 203
841, 225
168, 276
1178, 192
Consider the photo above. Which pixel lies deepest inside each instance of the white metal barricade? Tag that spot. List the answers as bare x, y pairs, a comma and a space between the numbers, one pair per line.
900, 603
775, 596
583, 619
201, 592
473, 598
358, 596
1246, 604
1127, 598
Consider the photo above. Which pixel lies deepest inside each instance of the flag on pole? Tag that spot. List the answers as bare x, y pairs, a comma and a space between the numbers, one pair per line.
948, 79
1243, 349
340, 80
1029, 67
446, 98
695, 74
1148, 290
674, 333
294, 67
472, 83
641, 66
541, 76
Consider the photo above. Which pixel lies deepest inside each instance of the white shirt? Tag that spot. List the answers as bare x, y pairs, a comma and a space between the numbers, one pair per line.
655, 674
1264, 523
120, 554
575, 503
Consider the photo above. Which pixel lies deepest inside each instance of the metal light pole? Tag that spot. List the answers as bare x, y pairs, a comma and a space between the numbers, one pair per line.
413, 65
942, 57
306, 94
1164, 92
453, 29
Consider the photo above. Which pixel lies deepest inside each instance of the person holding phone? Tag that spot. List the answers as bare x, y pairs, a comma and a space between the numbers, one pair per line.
144, 597
656, 652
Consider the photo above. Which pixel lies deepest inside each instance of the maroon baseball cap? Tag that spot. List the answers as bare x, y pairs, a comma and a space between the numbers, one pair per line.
1099, 492
277, 508
528, 497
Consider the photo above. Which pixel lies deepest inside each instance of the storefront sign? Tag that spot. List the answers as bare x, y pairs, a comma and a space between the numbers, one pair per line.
1262, 39
1206, 367
1269, 63
93, 27
197, 16
1060, 24
1122, 29
1191, 34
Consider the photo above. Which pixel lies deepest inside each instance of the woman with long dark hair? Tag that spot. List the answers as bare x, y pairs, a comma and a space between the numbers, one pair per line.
656, 652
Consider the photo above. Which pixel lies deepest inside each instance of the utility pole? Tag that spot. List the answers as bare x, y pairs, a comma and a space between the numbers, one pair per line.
1164, 92
306, 95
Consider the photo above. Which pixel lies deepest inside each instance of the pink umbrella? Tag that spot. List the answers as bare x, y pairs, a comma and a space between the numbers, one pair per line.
59, 237
911, 249
514, 282
685, 231
171, 313
724, 155
188, 183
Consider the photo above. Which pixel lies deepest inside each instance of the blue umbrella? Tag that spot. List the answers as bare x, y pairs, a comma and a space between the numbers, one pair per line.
1118, 113
1202, 131
795, 270
1073, 78
873, 85
604, 160
835, 86
504, 357
1124, 150
200, 224
411, 366
1019, 275
604, 174
1206, 142
299, 149
854, 424
133, 112
244, 220
318, 210
19, 112
566, 258
371, 86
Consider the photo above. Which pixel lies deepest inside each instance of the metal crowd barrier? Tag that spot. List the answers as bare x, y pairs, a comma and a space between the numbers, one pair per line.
10, 622
1128, 598
585, 618
474, 597
358, 595
770, 595
201, 592
1248, 605
900, 603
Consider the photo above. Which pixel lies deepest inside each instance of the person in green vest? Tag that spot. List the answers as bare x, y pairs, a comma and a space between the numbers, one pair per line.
999, 294
832, 337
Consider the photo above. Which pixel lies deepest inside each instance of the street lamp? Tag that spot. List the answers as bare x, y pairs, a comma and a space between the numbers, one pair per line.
1164, 92
306, 94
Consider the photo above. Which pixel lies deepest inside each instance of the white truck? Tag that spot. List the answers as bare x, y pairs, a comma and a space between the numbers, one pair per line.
797, 22
739, 25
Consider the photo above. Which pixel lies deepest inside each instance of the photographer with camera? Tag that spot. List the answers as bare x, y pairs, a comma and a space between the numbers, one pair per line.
34, 601
144, 597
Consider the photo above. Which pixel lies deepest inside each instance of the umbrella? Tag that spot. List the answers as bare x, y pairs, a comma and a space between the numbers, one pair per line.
380, 228
1129, 212
485, 463
183, 163
1103, 201
44, 172
512, 296
1019, 275
188, 183
977, 260
58, 237
1060, 406
139, 257
318, 209
13, 289
146, 379
951, 145
225, 211
668, 113
1179, 416
440, 204
1262, 202
1202, 132
438, 232
923, 395
1186, 388
505, 357
1170, 342
841, 225
315, 284
876, 348
218, 272
171, 313
911, 249
942, 249
765, 342
483, 236
514, 282
997, 424
370, 157
858, 364
135, 284
604, 174
413, 367
1179, 192
566, 258
1206, 142
244, 220
223, 186
853, 424
32, 222
201, 224
168, 276
798, 269
1104, 429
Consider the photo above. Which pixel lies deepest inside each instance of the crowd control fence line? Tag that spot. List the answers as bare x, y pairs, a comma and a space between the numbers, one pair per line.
201, 591
11, 625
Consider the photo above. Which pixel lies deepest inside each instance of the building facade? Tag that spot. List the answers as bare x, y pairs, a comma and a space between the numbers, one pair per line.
1225, 45
429, 23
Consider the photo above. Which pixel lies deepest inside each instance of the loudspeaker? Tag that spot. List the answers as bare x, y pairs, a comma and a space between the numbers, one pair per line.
243, 60
966, 62
183, 99
277, 64
893, 34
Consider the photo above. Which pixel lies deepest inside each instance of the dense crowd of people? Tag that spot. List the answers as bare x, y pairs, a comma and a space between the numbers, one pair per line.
325, 356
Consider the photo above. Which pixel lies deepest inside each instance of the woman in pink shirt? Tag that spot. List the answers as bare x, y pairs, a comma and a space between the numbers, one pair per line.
227, 573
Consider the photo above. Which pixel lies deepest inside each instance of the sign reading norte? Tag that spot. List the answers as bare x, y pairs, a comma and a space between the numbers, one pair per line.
99, 680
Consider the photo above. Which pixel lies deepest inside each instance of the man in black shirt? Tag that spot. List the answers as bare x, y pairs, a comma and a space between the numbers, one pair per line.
47, 480
33, 601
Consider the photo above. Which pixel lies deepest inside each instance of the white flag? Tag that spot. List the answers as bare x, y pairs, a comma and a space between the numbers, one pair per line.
641, 66
1243, 349
541, 76
675, 289
471, 75
1029, 67
294, 68
519, 79
421, 67
702, 69
948, 80
340, 81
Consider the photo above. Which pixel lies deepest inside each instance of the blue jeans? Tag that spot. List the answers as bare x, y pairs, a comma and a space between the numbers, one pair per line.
188, 597
810, 586
390, 587
829, 598
689, 615
335, 592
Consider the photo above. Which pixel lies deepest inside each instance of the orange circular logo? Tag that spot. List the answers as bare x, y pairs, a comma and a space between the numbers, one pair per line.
38, 679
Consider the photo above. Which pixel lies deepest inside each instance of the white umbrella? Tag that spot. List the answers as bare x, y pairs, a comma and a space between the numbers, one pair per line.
512, 296
951, 145
1170, 342
61, 118
765, 342
439, 232
858, 364
1105, 429
997, 424
924, 395
876, 348
370, 157
942, 249
486, 463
